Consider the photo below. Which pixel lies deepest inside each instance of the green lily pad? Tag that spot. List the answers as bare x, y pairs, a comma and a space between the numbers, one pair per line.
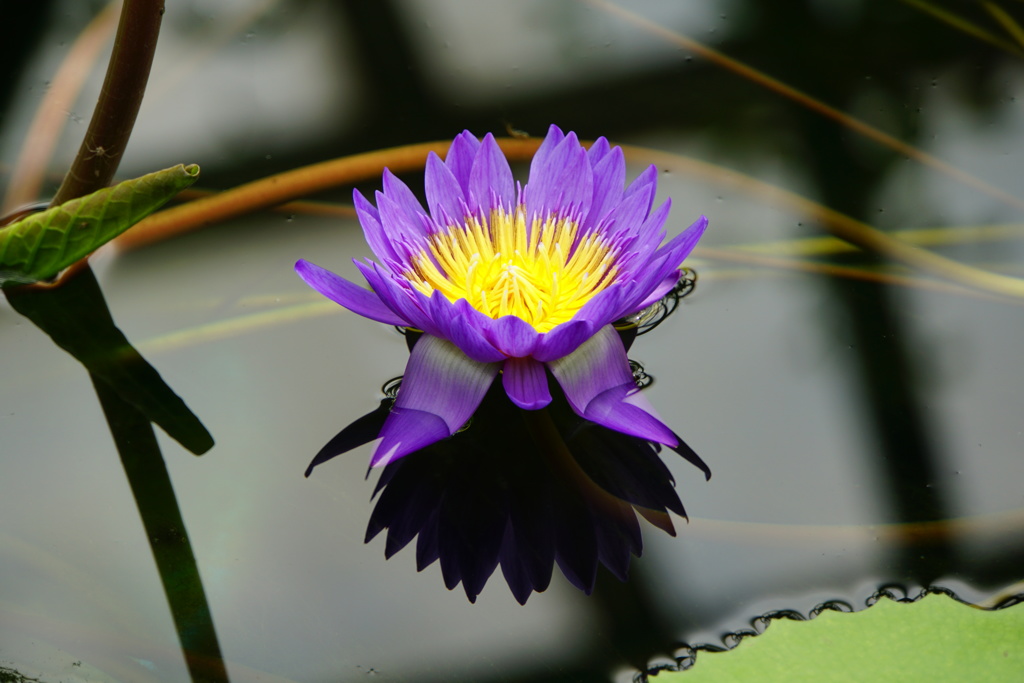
42, 244
933, 639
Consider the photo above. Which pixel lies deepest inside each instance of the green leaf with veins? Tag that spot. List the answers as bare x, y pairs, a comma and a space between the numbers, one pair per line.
935, 639
42, 244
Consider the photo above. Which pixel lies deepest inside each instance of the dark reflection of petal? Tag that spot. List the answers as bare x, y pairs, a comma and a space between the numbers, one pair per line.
525, 490
362, 431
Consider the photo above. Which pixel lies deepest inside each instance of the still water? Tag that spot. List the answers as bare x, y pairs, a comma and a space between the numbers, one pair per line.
860, 433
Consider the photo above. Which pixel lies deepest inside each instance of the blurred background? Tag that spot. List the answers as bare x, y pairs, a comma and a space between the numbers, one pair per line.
861, 417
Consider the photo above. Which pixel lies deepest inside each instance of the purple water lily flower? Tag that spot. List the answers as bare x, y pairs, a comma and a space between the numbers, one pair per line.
516, 280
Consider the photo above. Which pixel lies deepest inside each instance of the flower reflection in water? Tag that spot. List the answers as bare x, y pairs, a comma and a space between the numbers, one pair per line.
523, 489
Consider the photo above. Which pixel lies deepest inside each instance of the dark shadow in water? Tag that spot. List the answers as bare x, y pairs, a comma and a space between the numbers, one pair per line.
133, 395
523, 490
527, 491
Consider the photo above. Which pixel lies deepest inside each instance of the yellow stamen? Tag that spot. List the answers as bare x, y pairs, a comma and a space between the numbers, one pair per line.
501, 267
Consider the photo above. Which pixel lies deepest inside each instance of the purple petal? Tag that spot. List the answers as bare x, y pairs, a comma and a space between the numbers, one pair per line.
563, 181
577, 182
351, 296
579, 373
398, 225
598, 384
440, 379
439, 393
626, 218
680, 246
609, 178
526, 383
398, 191
626, 410
553, 138
444, 194
364, 205
369, 218
514, 336
651, 233
456, 324
664, 264
490, 177
648, 177
406, 431
401, 301
563, 340
604, 307
663, 288
598, 150
460, 157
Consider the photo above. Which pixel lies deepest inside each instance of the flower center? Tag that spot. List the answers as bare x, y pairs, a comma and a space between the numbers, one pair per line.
541, 274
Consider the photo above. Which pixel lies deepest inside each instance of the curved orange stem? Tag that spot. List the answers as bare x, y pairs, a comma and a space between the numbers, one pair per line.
275, 189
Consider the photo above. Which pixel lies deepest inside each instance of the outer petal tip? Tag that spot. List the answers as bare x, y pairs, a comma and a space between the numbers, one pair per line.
514, 336
357, 299
441, 389
526, 383
599, 386
406, 431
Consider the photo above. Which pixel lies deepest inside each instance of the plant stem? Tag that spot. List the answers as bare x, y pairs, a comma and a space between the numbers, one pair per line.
165, 530
119, 101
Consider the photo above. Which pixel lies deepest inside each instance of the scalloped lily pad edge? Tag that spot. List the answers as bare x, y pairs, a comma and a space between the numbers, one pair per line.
933, 636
